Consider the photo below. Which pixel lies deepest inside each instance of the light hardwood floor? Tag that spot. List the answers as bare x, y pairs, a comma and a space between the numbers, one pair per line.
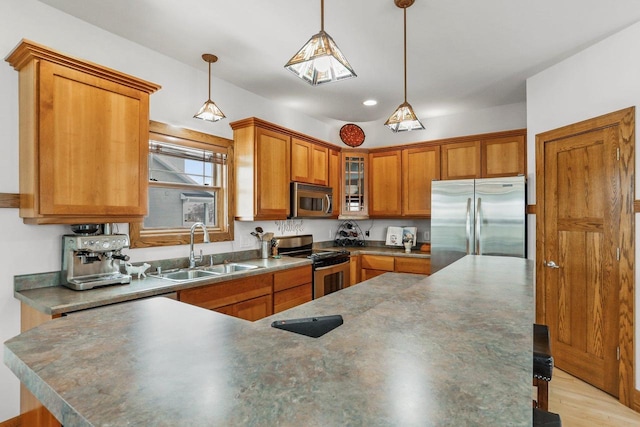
581, 405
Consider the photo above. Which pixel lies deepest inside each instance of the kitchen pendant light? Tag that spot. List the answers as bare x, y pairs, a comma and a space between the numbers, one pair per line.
209, 110
404, 119
320, 60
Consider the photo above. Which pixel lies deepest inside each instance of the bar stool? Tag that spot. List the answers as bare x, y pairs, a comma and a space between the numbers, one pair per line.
542, 364
545, 419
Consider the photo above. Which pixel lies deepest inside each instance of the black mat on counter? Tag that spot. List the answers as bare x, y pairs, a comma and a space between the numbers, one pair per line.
310, 326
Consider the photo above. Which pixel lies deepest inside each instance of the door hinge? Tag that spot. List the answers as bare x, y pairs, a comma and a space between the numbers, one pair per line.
618, 353
618, 153
617, 254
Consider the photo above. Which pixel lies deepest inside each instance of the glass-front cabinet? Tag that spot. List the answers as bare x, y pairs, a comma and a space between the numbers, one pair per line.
354, 201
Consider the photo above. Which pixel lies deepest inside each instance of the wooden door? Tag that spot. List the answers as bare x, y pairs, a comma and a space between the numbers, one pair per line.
585, 249
385, 183
420, 166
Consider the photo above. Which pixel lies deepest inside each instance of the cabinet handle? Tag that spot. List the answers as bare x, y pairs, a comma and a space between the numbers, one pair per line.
552, 264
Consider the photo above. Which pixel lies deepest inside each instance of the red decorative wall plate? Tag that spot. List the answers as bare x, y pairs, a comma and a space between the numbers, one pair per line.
352, 135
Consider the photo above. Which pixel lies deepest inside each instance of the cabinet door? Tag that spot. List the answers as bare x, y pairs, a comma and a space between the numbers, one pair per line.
355, 191
309, 162
377, 262
503, 157
254, 309
334, 180
419, 167
319, 164
354, 270
217, 296
271, 175
301, 160
413, 265
461, 160
93, 145
385, 183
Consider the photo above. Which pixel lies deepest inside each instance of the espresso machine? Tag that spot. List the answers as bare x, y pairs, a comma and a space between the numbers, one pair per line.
90, 259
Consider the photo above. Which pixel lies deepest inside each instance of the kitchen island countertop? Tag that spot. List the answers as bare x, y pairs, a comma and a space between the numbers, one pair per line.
450, 349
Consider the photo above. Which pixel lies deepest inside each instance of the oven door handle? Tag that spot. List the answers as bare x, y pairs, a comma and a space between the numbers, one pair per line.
331, 266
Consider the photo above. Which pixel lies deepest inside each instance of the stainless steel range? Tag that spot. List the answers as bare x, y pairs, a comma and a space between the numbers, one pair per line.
330, 268
92, 260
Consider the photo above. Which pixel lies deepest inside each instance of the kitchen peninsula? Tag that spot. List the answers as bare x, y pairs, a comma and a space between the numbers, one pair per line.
450, 349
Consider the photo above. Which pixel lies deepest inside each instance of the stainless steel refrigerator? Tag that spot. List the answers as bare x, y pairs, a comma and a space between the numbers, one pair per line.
477, 217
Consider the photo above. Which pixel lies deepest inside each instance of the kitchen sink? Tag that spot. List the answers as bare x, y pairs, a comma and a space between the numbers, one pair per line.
229, 268
191, 274
183, 275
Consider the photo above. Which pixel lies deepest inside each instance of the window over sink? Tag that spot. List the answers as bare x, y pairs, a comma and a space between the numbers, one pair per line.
190, 180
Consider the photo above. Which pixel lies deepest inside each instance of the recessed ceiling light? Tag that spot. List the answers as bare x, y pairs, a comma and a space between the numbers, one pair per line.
370, 102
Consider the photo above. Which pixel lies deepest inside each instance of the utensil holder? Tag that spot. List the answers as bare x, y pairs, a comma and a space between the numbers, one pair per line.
264, 249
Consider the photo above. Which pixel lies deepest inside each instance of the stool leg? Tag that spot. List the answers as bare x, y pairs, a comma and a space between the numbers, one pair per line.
543, 393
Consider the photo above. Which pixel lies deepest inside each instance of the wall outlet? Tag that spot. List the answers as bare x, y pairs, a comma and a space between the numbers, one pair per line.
245, 242
427, 236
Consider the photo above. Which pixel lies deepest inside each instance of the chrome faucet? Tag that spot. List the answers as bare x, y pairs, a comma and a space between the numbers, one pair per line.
205, 234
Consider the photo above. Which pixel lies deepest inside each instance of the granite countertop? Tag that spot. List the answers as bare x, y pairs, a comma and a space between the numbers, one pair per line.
450, 349
58, 299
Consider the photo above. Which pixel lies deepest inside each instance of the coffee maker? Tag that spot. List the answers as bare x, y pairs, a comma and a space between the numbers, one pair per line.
91, 259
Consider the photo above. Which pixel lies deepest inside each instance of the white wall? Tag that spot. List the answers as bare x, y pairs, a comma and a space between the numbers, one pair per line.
28, 249
599, 80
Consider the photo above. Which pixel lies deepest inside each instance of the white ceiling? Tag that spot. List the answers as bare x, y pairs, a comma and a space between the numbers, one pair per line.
462, 54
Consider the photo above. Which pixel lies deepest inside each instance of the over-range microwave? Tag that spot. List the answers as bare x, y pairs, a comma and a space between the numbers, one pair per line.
311, 201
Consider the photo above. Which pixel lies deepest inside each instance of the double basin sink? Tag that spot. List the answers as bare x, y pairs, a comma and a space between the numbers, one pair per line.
191, 274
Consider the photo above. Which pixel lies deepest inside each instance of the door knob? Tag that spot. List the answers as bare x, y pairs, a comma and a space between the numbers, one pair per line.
552, 264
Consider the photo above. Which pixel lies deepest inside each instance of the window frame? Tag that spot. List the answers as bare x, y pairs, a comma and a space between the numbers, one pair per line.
143, 238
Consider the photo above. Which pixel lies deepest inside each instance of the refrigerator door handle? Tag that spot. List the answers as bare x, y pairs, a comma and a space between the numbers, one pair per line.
468, 225
478, 225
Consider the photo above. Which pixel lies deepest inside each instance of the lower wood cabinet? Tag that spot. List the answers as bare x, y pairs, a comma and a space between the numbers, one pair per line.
291, 288
249, 298
375, 265
255, 297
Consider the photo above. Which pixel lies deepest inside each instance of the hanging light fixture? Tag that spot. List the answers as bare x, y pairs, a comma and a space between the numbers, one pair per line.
209, 110
404, 119
320, 60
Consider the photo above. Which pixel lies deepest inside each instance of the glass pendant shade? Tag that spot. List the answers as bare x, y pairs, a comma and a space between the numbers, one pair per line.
404, 119
209, 110
320, 61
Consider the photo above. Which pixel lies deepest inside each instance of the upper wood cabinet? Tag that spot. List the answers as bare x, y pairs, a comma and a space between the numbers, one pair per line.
385, 183
491, 155
334, 180
420, 166
355, 186
83, 139
261, 159
503, 156
461, 160
400, 181
309, 162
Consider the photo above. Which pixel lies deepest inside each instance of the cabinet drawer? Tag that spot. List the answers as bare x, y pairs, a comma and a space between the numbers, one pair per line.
291, 278
227, 293
291, 297
377, 262
413, 265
